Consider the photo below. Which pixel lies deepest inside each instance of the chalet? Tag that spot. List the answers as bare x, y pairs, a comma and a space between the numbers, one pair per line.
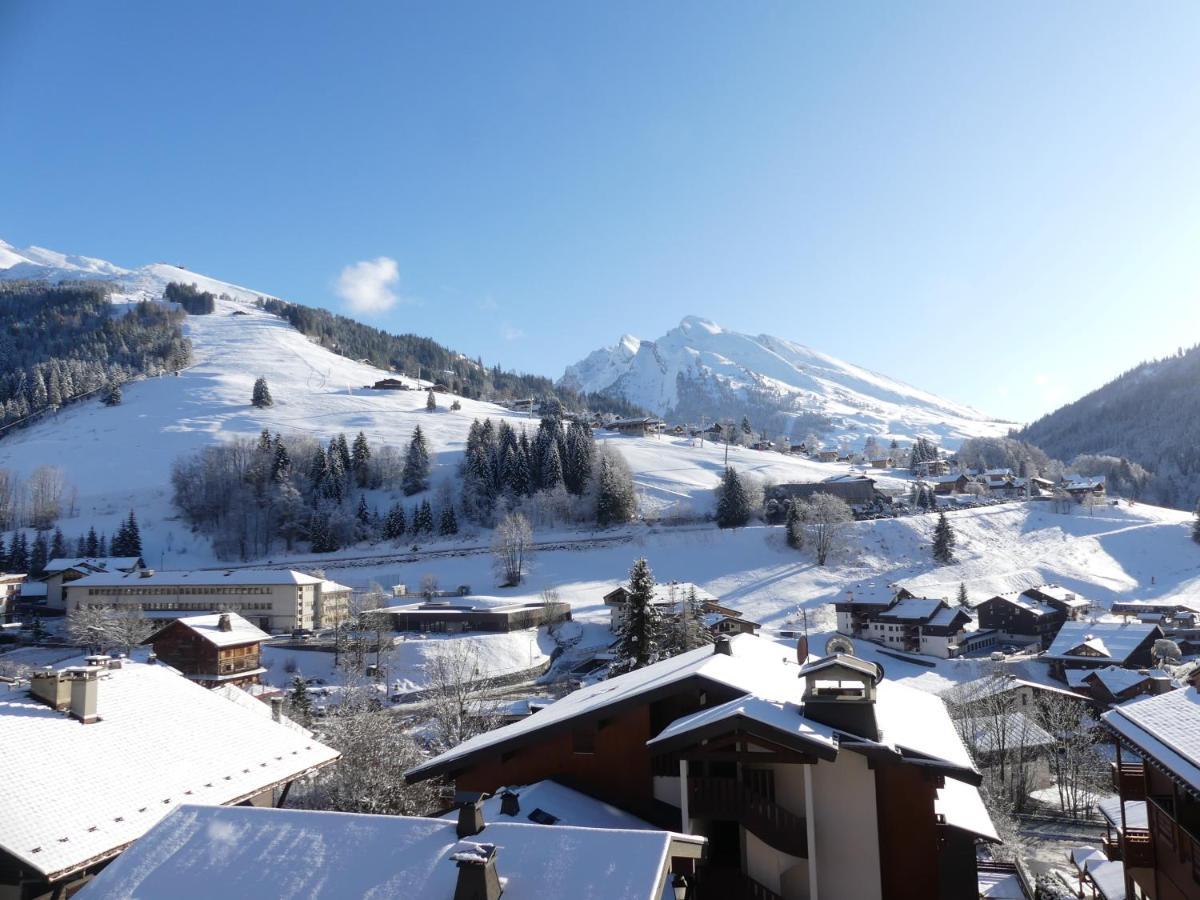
949, 484
928, 467
1013, 693
389, 384
257, 852
919, 625
1096, 645
61, 572
763, 445
819, 779
800, 449
462, 613
882, 462
275, 600
439, 388
1153, 841
125, 744
997, 476
856, 490
212, 650
10, 590
1112, 684
827, 456
1032, 615
1080, 488
859, 605
642, 426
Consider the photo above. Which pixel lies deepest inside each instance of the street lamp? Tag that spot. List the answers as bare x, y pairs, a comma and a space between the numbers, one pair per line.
680, 886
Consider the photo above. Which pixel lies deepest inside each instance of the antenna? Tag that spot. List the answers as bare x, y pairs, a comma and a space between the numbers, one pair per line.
839, 643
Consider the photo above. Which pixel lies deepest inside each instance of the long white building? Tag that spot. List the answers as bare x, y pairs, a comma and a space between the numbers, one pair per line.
275, 600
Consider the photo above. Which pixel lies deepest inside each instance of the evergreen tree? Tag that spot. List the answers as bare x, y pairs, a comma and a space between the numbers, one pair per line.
733, 505
318, 470
281, 464
261, 398
334, 485
640, 638
423, 519
112, 394
551, 471
616, 502
449, 523
319, 534
430, 401
394, 524
577, 464
18, 553
1196, 525
92, 548
794, 526
415, 477
360, 458
963, 600
102, 549
40, 554
131, 538
81, 546
689, 631
58, 546
298, 699
264, 441
363, 513
943, 540
4, 566
338, 444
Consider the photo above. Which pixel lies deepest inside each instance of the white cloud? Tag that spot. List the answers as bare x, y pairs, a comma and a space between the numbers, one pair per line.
369, 286
511, 332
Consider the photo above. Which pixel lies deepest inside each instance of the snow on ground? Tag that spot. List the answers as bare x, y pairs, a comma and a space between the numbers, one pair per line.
497, 655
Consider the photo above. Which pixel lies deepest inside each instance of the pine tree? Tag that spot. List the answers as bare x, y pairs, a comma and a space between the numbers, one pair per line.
963, 599
112, 394
40, 554
18, 553
449, 523
616, 502
1196, 525
318, 470
423, 518
430, 401
81, 546
363, 513
129, 539
298, 699
577, 465
415, 477
281, 465
943, 541
360, 458
733, 506
102, 549
394, 524
4, 566
58, 545
318, 534
794, 526
338, 445
261, 398
92, 548
551, 470
334, 485
640, 640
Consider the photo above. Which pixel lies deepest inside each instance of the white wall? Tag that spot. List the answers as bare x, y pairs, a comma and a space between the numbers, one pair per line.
773, 870
847, 835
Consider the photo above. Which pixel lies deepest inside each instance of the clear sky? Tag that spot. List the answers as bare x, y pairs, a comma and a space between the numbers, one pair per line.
998, 202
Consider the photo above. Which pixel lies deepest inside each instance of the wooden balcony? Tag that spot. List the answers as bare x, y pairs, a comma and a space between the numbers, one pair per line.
730, 884
1137, 849
728, 798
1129, 780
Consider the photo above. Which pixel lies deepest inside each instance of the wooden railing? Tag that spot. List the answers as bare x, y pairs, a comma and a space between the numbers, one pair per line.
1137, 848
727, 798
1129, 780
730, 884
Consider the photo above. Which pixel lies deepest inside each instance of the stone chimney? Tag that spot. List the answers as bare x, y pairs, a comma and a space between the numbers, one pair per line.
477, 876
510, 803
84, 688
223, 623
723, 646
470, 818
277, 709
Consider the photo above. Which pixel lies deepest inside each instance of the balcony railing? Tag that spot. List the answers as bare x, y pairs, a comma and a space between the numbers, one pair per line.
1184, 846
1129, 780
728, 798
730, 884
1137, 849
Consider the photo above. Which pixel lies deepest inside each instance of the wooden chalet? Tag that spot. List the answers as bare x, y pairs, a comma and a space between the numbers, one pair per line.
1112, 684
1096, 645
212, 650
640, 426
821, 779
669, 597
856, 490
389, 384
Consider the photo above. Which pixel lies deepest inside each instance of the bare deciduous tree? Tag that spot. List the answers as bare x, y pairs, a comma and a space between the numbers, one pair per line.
1080, 772
824, 520
458, 705
512, 545
46, 486
10, 500
106, 628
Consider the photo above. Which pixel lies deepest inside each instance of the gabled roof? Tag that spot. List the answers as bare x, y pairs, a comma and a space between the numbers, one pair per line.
988, 734
92, 563
913, 609
200, 852
564, 805
1116, 641
991, 685
777, 721
1166, 727
161, 741
1019, 600
842, 660
1114, 678
209, 628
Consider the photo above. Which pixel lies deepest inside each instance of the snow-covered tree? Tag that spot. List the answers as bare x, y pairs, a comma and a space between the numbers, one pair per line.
430, 401
261, 396
825, 518
112, 394
512, 545
733, 504
416, 464
616, 501
641, 639
457, 698
360, 461
943, 540
963, 599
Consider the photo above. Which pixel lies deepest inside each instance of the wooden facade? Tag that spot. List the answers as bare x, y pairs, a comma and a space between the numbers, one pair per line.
205, 662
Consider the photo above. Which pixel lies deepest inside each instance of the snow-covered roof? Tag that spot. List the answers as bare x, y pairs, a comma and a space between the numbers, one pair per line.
332, 587
775, 717
1166, 727
1061, 595
990, 685
1136, 815
202, 852
945, 617
209, 627
988, 734
565, 805
161, 741
870, 594
1114, 640
1018, 599
1081, 856
671, 592
914, 609
1108, 877
97, 563
963, 808
1114, 678
197, 576
910, 721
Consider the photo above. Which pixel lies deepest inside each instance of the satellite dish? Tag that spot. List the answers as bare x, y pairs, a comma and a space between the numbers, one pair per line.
839, 643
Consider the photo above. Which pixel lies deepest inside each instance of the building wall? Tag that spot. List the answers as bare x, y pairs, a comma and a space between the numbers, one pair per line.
908, 831
782, 873
279, 607
847, 851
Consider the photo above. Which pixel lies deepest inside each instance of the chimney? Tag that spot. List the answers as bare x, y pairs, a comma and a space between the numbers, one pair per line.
723, 646
477, 878
510, 803
839, 691
470, 818
84, 683
223, 623
277, 709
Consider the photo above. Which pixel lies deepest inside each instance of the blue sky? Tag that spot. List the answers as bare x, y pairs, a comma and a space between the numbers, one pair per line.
995, 202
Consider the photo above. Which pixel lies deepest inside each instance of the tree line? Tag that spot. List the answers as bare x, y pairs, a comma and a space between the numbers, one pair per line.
59, 342
20, 555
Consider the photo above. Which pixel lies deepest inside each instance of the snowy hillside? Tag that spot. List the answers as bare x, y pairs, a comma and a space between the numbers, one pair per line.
700, 370
120, 457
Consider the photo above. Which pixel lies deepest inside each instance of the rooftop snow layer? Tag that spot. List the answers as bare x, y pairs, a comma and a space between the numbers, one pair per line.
1114, 640
1166, 727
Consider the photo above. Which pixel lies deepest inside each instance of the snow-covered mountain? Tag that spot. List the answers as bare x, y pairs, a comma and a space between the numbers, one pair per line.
700, 371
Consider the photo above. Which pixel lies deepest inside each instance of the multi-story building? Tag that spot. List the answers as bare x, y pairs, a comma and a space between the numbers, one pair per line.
1097, 645
212, 650
816, 779
275, 600
10, 590
61, 572
1154, 828
905, 622
1032, 615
